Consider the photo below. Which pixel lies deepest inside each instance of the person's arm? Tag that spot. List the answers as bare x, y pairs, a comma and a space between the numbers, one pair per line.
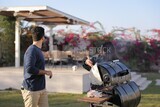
87, 63
45, 72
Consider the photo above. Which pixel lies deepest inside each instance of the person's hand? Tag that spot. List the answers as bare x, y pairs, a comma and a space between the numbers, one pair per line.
49, 73
89, 62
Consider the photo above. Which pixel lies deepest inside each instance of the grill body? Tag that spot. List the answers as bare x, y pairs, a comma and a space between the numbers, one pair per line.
115, 77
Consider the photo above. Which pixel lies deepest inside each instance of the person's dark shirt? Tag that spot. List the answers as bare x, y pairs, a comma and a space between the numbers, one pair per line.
33, 62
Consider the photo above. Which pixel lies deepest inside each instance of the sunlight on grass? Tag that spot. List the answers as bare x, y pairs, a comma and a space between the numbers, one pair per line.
150, 100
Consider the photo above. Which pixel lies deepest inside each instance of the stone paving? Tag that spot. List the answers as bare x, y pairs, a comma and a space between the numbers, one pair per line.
64, 79
158, 82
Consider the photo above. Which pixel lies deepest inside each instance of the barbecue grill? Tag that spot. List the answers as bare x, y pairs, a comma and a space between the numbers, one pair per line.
114, 77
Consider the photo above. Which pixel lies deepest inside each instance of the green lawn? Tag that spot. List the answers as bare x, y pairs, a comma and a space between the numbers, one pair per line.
14, 99
150, 97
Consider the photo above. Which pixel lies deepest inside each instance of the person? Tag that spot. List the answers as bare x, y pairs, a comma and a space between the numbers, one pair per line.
34, 87
107, 52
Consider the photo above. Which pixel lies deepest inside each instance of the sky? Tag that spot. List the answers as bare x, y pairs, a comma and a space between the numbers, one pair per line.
142, 14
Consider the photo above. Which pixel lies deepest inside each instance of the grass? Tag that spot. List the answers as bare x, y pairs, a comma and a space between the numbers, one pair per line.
66, 100
11, 99
150, 97
152, 89
14, 99
150, 100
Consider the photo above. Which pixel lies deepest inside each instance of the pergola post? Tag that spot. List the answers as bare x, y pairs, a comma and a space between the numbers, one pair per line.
17, 42
51, 38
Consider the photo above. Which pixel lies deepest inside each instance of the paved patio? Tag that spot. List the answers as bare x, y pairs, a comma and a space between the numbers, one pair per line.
64, 79
158, 82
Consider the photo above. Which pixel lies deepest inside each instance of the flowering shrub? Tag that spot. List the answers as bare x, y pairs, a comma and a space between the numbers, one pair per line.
79, 41
143, 54
72, 39
138, 51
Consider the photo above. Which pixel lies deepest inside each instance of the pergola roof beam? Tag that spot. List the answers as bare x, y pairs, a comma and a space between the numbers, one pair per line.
39, 13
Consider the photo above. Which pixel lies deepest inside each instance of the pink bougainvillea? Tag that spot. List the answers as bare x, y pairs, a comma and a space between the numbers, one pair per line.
140, 52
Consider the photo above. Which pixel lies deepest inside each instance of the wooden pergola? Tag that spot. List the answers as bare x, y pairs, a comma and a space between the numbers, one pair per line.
38, 14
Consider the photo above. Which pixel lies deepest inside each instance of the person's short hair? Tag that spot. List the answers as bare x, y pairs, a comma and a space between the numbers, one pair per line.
37, 33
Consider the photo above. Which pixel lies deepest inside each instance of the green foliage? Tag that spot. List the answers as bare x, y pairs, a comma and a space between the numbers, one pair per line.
7, 50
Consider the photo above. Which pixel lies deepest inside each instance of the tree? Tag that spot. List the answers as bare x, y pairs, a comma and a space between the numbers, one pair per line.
7, 51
